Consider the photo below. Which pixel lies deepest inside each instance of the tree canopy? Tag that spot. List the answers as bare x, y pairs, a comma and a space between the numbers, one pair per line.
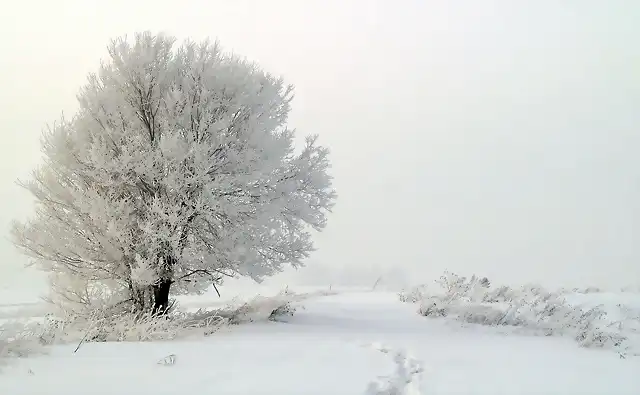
177, 170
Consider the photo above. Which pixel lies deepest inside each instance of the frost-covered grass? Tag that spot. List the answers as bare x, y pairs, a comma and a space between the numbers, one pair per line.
21, 338
361, 342
591, 317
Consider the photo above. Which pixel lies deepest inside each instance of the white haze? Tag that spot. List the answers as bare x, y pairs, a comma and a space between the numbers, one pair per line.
493, 137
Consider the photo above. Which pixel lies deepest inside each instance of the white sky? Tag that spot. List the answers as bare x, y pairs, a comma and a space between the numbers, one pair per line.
495, 137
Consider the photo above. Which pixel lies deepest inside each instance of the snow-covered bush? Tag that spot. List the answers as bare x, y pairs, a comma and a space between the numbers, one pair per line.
414, 294
285, 310
19, 340
433, 307
118, 325
530, 308
272, 308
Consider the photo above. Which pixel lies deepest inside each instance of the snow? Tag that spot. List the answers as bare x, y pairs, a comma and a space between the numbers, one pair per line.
355, 342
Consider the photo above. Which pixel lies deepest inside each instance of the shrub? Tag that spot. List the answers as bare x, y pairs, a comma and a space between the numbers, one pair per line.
531, 308
117, 324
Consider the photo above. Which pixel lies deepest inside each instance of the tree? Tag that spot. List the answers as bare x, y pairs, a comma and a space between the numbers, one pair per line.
177, 170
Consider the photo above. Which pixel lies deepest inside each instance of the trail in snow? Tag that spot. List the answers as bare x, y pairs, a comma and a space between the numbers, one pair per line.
405, 380
470, 360
320, 351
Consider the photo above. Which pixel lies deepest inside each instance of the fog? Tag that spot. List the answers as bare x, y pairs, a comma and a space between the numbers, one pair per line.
496, 138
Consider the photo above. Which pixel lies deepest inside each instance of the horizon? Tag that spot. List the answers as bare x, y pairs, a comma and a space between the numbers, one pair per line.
491, 141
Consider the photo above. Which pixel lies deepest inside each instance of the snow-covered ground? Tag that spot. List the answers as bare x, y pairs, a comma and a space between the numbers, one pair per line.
356, 342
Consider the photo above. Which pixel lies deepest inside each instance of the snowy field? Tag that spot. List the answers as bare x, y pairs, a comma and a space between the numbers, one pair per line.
354, 342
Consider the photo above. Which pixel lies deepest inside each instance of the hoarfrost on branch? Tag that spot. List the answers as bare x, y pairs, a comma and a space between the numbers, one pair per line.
178, 170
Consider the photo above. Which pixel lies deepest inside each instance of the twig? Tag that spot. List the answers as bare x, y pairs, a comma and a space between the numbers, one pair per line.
205, 272
82, 340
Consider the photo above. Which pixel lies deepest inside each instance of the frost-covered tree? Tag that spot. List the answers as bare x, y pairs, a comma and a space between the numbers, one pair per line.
177, 170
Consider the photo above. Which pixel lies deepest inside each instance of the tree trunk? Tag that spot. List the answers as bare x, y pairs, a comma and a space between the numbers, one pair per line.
140, 297
161, 297
162, 287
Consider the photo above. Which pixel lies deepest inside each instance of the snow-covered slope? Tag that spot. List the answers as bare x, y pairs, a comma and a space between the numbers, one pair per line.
351, 343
